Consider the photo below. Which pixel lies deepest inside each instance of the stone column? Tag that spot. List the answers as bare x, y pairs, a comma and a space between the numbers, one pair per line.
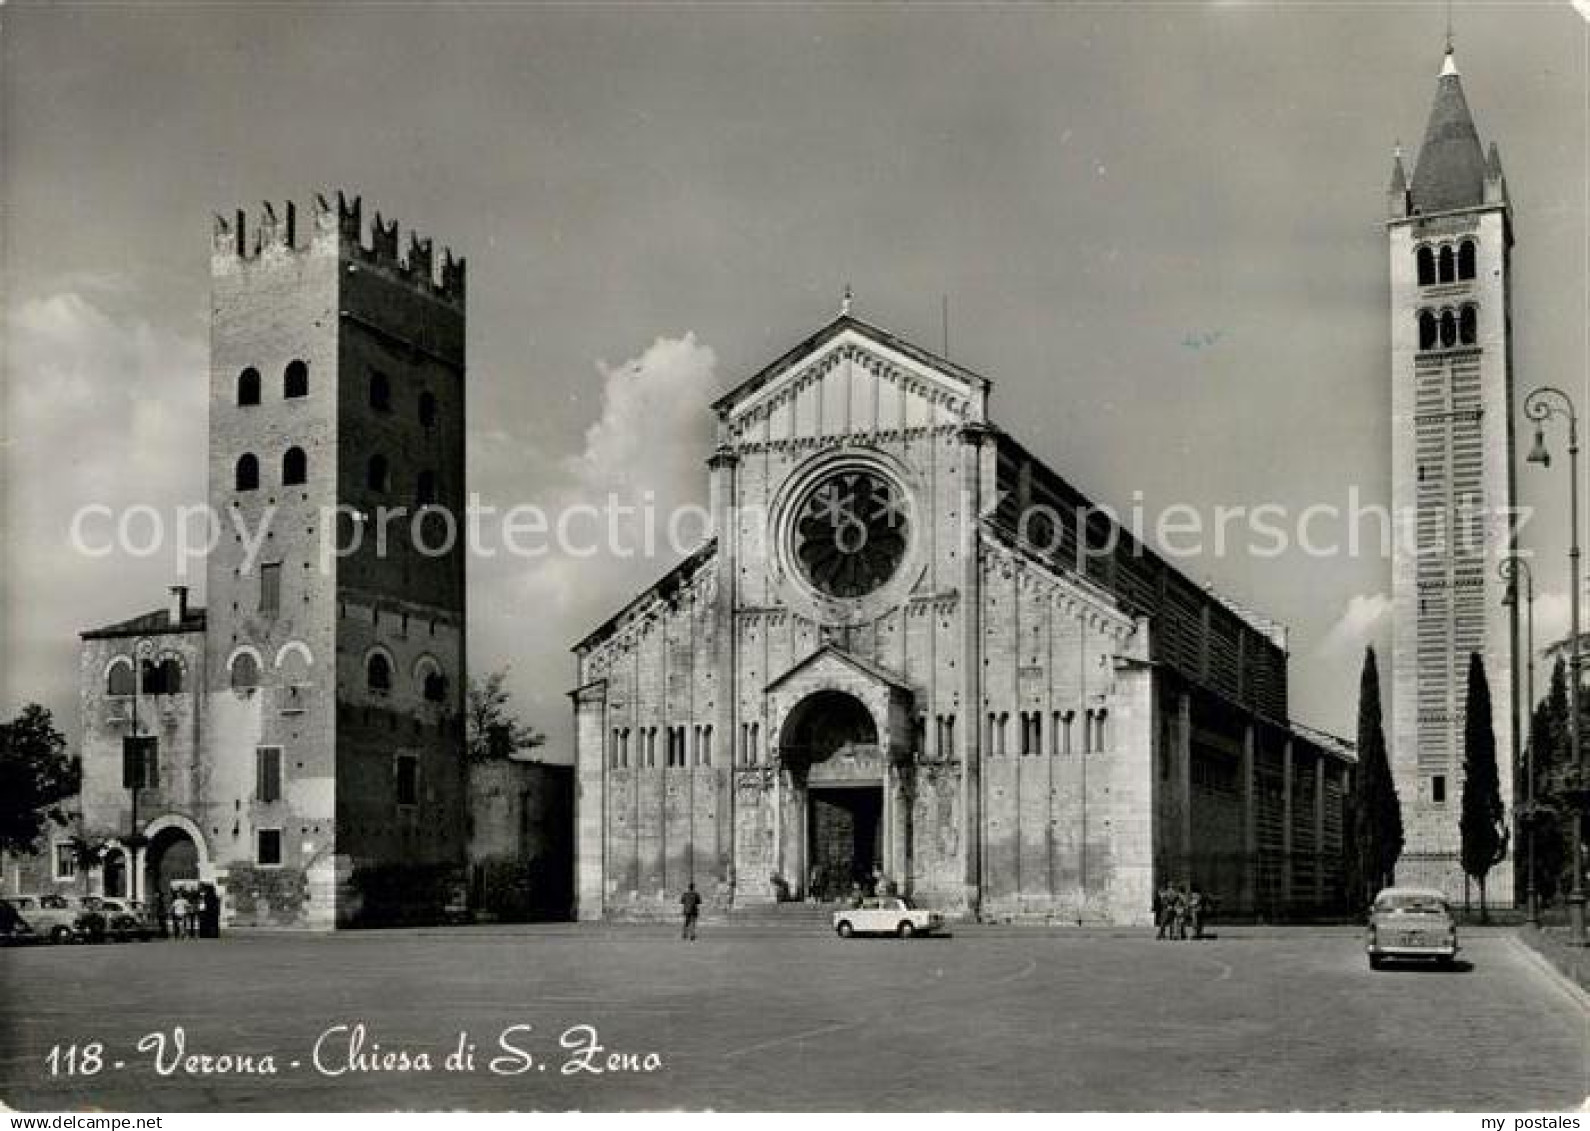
1250, 829
972, 707
590, 800
722, 467
1286, 826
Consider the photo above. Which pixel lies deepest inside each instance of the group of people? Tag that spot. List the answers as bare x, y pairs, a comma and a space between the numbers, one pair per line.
194, 911
1178, 907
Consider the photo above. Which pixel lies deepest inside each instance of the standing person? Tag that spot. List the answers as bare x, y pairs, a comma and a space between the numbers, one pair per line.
179, 913
1178, 912
1195, 911
193, 913
691, 904
1167, 911
158, 909
1156, 905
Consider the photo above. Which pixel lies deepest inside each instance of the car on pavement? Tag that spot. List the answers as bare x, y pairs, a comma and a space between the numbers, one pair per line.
128, 919
59, 918
1411, 923
886, 915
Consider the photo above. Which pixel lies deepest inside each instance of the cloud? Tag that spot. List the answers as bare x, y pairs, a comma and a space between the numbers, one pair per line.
98, 410
1551, 618
645, 452
1358, 626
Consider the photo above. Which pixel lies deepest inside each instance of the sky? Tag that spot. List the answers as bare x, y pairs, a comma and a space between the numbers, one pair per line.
1159, 228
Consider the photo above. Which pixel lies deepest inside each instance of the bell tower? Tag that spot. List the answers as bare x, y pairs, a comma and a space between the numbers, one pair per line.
1450, 236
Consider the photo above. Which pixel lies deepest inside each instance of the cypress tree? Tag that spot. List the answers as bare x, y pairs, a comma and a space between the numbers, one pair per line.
1481, 824
1376, 812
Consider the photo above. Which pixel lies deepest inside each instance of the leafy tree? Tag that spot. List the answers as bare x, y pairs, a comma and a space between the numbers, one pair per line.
35, 776
1481, 825
1546, 833
491, 730
1375, 812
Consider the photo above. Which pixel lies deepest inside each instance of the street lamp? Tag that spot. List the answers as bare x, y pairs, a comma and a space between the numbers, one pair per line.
1540, 406
1510, 567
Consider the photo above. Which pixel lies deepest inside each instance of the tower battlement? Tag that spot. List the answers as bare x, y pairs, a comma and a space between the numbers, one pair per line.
274, 232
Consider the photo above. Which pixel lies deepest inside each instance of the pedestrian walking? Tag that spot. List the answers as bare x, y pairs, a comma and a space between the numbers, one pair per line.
690, 902
192, 925
1178, 913
179, 913
1165, 917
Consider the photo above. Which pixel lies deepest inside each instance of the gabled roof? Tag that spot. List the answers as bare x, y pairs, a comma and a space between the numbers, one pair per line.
663, 589
828, 333
148, 624
865, 667
1450, 173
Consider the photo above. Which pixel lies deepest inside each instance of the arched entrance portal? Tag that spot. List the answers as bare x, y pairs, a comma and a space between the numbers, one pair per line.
172, 856
830, 745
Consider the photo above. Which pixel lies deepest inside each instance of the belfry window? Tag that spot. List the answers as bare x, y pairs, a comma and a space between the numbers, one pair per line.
1426, 261
1468, 325
295, 380
1465, 263
375, 474
427, 409
1447, 264
1428, 330
295, 467
1448, 329
248, 386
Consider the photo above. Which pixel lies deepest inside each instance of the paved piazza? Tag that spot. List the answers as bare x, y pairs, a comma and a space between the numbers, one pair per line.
989, 1019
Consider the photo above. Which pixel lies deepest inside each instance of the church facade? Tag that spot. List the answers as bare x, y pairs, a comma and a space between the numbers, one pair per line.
915, 656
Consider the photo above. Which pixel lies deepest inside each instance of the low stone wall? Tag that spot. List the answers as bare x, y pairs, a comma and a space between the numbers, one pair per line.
1551, 943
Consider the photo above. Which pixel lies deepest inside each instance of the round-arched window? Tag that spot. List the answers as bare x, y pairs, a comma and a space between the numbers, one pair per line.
375, 473
246, 475
248, 386
295, 379
427, 409
245, 671
295, 467
378, 673
120, 679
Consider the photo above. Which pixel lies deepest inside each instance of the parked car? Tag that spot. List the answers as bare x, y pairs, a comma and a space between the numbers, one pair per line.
886, 915
128, 919
1411, 923
60, 918
14, 928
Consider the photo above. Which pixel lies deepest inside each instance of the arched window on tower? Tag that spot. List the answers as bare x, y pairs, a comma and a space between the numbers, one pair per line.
1426, 260
375, 474
425, 491
295, 467
1448, 270
245, 671
295, 381
119, 680
1448, 329
1468, 325
1465, 263
248, 386
378, 673
380, 391
1427, 330
246, 476
427, 409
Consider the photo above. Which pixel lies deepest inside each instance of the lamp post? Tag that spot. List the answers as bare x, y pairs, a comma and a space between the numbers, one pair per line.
1540, 406
1510, 567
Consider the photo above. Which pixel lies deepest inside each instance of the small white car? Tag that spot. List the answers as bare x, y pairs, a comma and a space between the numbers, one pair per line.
1414, 923
886, 915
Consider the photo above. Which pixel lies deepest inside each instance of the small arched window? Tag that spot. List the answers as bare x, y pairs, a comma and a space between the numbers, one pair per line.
245, 671
1426, 259
295, 467
378, 673
425, 492
119, 680
1466, 259
248, 386
434, 687
1427, 330
246, 476
1448, 329
1448, 270
427, 409
380, 391
1468, 326
295, 380
375, 474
